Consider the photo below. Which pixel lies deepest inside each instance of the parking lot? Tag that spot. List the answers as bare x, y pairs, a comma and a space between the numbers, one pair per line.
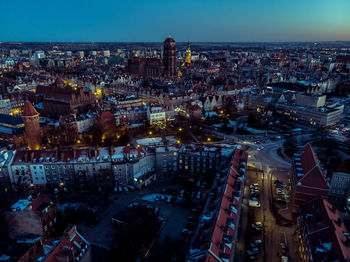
178, 208
266, 239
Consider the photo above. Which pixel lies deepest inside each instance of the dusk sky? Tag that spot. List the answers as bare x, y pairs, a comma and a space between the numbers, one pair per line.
194, 20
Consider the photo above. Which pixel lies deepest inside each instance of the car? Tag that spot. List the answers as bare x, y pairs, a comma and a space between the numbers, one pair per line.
256, 243
257, 225
157, 211
253, 251
284, 248
157, 197
131, 188
254, 199
182, 193
120, 189
125, 188
284, 259
254, 203
168, 199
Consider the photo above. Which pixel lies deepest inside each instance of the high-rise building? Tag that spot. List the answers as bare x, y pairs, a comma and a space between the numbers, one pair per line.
169, 56
188, 54
31, 125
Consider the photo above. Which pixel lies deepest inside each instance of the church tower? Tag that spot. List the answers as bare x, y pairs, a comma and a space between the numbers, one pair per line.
169, 56
31, 125
188, 54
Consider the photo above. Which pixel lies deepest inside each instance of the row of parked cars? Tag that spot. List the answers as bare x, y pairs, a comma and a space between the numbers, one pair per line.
191, 225
255, 193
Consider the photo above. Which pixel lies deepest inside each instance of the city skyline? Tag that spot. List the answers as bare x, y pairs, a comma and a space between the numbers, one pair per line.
205, 21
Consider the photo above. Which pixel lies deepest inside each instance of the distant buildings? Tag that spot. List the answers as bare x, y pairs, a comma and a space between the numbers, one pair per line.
62, 99
152, 67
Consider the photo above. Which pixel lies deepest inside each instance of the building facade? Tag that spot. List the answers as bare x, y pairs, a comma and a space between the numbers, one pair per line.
169, 56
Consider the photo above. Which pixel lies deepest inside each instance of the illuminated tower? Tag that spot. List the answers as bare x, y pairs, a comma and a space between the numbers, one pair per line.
188, 54
31, 125
169, 56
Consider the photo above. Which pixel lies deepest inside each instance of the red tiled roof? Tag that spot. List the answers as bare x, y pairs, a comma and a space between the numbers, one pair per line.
106, 117
312, 183
72, 244
29, 109
229, 212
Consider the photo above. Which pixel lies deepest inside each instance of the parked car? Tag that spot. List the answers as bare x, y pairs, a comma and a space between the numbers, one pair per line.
256, 243
182, 193
254, 203
284, 248
131, 188
253, 251
157, 211
257, 225
284, 259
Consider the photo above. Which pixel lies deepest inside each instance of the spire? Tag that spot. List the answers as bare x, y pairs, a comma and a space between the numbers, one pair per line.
29, 109
188, 45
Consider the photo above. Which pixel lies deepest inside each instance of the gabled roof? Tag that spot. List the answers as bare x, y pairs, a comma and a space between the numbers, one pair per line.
72, 245
29, 109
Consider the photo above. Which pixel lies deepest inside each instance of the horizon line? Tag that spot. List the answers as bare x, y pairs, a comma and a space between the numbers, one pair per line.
91, 42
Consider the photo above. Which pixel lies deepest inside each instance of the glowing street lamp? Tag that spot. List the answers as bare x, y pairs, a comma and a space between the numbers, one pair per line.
208, 139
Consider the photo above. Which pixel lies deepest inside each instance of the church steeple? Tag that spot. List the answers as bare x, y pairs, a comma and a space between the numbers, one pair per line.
188, 54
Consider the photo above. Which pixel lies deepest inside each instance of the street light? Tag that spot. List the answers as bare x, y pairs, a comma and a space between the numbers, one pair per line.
180, 129
150, 132
208, 139
178, 141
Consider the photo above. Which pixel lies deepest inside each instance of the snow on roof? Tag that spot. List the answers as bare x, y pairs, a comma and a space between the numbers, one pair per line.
21, 204
149, 141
